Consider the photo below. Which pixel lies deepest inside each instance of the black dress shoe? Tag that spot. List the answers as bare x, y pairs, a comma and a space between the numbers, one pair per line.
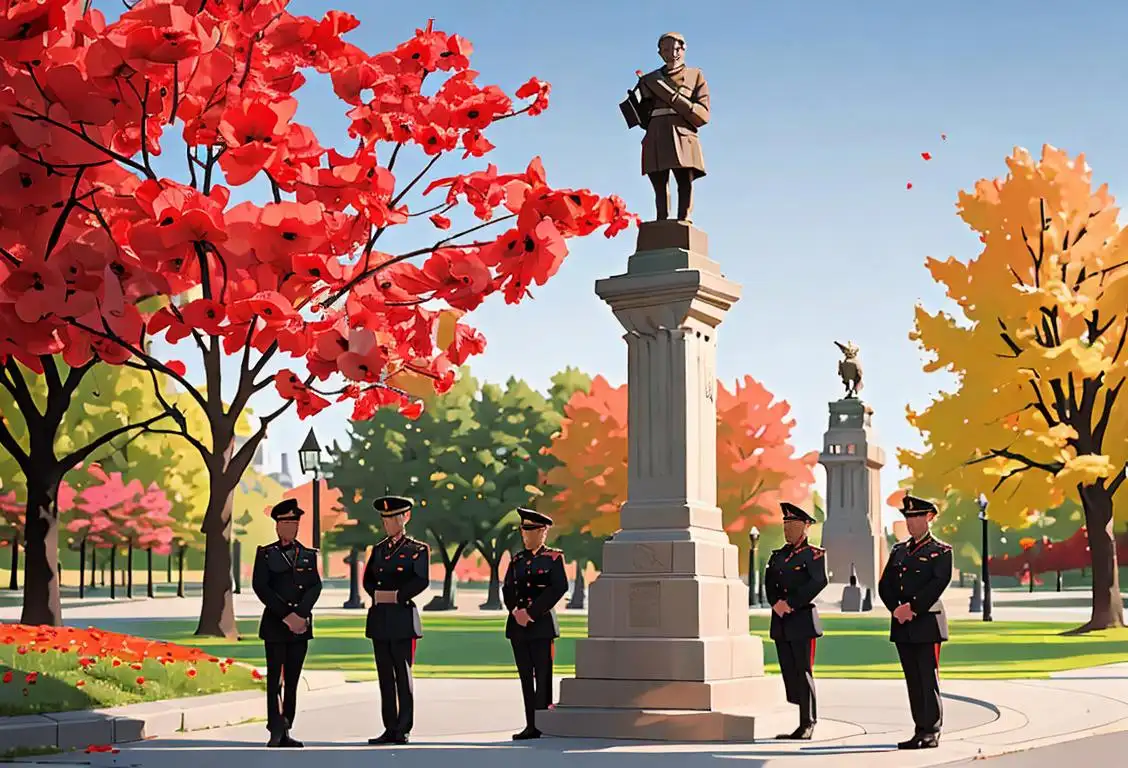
399, 738
528, 733
920, 742
802, 733
387, 737
289, 742
276, 738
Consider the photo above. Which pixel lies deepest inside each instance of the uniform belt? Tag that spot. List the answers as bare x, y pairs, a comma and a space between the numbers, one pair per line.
663, 111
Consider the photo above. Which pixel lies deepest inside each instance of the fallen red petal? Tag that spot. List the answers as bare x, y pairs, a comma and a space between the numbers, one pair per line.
926, 155
909, 185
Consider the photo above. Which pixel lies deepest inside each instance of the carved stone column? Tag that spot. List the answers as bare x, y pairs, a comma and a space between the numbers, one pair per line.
668, 654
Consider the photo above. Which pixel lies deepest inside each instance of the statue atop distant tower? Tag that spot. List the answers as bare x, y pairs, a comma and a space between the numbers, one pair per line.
852, 534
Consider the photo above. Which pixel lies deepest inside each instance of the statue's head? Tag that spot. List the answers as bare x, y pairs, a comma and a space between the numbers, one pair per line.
849, 349
671, 47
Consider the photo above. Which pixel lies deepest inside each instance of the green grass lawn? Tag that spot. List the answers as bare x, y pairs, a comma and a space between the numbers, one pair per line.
854, 647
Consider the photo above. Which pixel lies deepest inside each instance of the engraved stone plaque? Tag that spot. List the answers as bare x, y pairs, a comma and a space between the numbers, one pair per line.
646, 605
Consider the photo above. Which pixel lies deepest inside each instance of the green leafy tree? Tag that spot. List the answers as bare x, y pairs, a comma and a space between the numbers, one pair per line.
52, 422
389, 453
501, 452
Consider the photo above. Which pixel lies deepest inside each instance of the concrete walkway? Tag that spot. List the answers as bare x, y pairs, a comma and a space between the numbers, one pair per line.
860, 723
1008, 606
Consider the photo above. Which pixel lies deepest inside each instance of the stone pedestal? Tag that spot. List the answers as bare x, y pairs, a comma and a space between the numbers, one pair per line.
668, 654
852, 533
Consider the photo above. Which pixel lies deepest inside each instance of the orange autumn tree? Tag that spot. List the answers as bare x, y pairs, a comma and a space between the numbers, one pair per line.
756, 464
1039, 357
590, 482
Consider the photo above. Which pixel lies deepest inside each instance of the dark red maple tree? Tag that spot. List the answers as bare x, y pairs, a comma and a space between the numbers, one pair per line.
90, 228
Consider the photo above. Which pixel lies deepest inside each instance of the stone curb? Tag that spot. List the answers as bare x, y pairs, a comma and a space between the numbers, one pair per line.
147, 720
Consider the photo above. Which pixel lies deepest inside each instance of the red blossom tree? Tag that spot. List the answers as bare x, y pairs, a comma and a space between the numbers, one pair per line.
89, 227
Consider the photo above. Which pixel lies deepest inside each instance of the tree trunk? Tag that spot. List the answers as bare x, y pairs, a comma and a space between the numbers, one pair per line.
1108, 605
168, 567
41, 603
13, 579
113, 572
217, 612
149, 573
445, 601
579, 591
129, 572
93, 566
493, 592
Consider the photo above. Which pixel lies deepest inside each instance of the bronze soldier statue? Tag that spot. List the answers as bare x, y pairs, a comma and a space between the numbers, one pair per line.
795, 575
671, 104
398, 570
917, 573
533, 585
286, 580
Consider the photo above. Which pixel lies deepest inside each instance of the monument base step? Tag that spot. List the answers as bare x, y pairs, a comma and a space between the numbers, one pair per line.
738, 694
677, 725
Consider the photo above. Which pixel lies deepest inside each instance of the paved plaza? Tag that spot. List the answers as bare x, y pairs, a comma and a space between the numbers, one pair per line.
860, 721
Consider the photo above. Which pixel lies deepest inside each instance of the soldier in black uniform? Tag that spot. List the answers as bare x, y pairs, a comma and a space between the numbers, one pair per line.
795, 575
917, 573
534, 583
398, 570
287, 582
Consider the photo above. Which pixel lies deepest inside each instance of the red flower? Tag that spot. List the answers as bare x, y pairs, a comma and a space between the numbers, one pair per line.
31, 678
190, 672
7, 676
539, 90
256, 675
440, 221
140, 681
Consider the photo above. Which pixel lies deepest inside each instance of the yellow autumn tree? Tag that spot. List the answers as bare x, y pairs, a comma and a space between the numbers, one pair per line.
1039, 356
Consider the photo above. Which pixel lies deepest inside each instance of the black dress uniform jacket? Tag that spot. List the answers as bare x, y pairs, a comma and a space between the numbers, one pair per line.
917, 573
403, 566
286, 580
796, 574
534, 581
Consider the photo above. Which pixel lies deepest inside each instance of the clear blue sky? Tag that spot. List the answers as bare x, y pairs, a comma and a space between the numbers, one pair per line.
820, 112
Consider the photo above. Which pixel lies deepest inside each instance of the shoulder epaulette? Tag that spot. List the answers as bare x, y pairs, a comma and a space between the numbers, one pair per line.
943, 544
555, 554
817, 552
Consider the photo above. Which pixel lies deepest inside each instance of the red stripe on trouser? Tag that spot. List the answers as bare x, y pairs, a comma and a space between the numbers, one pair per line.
813, 641
938, 658
552, 651
414, 642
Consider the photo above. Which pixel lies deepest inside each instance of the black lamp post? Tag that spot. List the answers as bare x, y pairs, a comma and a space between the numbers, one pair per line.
82, 568
309, 457
986, 573
754, 568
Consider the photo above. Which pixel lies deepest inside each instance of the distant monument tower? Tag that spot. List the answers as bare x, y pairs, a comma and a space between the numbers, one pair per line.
852, 533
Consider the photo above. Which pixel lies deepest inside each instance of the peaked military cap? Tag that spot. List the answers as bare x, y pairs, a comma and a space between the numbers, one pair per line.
531, 519
792, 512
287, 509
911, 506
390, 506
